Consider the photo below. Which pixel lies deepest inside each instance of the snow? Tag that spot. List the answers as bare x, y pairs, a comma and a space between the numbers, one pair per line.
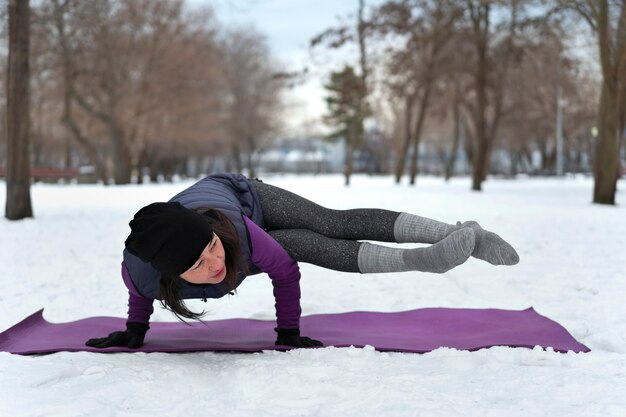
572, 253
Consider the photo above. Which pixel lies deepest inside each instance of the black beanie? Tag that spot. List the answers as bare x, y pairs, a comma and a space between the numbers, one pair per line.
169, 236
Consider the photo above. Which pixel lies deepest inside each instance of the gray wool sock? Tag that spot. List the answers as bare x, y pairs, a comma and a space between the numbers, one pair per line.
490, 247
442, 256
410, 228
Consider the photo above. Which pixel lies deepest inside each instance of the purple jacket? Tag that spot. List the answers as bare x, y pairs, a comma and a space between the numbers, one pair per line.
269, 257
233, 195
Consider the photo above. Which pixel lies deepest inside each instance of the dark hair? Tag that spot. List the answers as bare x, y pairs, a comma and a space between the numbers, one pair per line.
169, 286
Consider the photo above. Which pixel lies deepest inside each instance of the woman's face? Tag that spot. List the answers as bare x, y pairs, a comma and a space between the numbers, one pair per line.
210, 267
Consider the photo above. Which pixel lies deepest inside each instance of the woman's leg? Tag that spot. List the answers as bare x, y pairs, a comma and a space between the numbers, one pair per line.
306, 246
351, 256
285, 210
328, 238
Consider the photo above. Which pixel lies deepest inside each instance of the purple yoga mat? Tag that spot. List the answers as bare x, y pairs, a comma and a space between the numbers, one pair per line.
416, 331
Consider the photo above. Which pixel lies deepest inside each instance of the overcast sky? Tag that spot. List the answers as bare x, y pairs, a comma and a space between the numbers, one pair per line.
289, 26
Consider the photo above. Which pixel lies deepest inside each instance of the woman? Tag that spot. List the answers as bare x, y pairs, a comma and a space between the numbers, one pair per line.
209, 237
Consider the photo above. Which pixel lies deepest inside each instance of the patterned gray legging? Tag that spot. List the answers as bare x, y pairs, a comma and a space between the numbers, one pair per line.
318, 235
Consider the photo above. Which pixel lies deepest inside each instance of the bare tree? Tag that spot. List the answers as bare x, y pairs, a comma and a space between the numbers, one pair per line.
608, 20
544, 74
493, 30
422, 58
178, 111
129, 72
252, 95
18, 204
484, 129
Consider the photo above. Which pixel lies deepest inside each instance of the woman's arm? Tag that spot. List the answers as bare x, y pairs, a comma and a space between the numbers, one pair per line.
139, 311
139, 308
272, 259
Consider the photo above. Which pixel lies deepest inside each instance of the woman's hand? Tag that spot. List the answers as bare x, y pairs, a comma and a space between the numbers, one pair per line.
291, 337
131, 338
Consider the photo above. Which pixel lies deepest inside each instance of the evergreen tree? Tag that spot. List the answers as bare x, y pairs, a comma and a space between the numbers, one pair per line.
346, 111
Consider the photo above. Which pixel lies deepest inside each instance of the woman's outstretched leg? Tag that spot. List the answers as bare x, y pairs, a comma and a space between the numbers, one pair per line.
285, 210
351, 256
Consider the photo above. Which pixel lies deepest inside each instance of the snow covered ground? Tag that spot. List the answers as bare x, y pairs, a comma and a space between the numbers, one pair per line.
572, 269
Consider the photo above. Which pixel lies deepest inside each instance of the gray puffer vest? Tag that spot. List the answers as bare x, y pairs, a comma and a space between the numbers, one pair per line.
233, 195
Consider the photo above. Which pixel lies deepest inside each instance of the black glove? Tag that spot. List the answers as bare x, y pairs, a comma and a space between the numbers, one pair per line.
291, 337
131, 338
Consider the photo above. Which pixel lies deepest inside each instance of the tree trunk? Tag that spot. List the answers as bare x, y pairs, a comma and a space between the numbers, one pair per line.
350, 139
235, 159
458, 128
363, 91
251, 168
488, 156
481, 32
154, 171
18, 203
122, 160
250, 157
417, 132
611, 113
480, 122
481, 149
479, 167
401, 161
67, 153
514, 157
469, 142
122, 168
605, 164
123, 163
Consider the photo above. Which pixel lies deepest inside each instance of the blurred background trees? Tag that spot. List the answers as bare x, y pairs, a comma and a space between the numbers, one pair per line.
252, 102
147, 86
508, 78
136, 89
